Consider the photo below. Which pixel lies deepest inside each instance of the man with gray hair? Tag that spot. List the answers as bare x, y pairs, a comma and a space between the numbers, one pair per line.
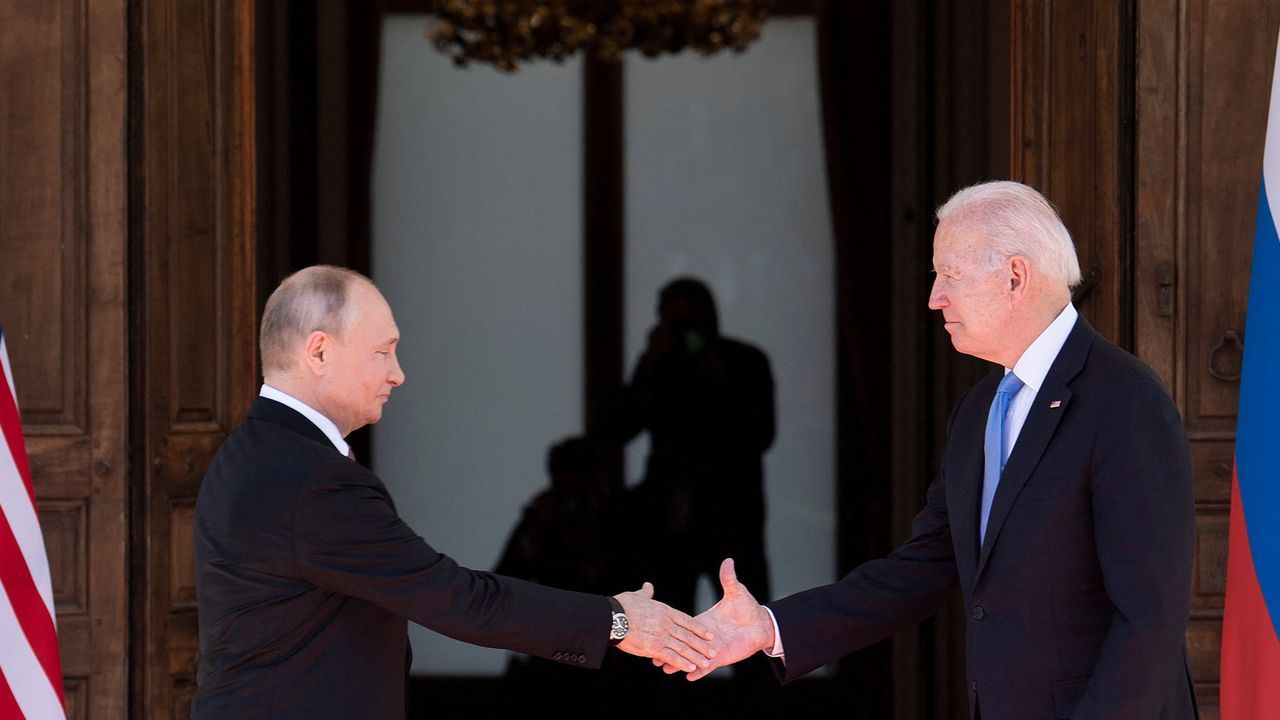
1062, 510
305, 574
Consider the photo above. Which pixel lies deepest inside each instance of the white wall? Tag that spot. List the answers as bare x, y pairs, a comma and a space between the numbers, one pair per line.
725, 181
477, 245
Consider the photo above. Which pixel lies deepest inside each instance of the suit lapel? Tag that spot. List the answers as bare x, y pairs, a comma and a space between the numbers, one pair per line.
1051, 405
969, 474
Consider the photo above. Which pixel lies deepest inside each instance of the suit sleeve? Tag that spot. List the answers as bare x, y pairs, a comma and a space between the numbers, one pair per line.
876, 600
347, 538
1144, 524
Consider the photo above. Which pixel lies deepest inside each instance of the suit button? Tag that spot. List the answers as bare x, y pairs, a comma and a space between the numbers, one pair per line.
974, 686
582, 659
979, 613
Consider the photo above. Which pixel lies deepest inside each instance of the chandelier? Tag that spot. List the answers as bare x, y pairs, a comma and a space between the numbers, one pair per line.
505, 33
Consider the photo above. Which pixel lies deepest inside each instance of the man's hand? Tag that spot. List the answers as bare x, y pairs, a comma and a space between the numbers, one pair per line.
741, 626
665, 634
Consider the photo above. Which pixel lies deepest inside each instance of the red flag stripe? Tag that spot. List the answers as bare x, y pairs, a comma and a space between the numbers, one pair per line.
1250, 654
11, 424
8, 703
28, 606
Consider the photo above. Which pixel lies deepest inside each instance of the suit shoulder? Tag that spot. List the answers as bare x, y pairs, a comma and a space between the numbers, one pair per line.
1124, 393
1115, 369
264, 454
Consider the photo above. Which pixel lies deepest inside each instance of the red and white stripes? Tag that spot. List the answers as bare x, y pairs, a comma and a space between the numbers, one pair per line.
30, 669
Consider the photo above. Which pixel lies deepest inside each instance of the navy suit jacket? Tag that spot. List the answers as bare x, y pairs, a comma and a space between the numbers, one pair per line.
305, 577
1077, 602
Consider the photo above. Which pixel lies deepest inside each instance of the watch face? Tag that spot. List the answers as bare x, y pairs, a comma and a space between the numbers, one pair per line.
620, 627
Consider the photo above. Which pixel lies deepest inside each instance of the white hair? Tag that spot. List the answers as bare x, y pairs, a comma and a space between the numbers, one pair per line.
314, 298
1016, 220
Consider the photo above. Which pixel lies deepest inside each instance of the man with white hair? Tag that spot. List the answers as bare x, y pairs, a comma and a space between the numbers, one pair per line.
305, 574
1062, 510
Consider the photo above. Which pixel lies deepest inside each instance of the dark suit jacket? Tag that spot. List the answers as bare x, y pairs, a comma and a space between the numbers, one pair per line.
1077, 603
305, 576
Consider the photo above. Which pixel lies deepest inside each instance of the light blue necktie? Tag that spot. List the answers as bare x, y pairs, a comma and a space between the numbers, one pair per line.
993, 447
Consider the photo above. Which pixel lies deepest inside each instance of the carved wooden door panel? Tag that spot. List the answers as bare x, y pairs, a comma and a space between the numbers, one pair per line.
193, 319
1203, 81
63, 214
1069, 137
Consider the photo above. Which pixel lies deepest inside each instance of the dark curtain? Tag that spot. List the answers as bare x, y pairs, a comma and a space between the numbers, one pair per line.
853, 61
364, 45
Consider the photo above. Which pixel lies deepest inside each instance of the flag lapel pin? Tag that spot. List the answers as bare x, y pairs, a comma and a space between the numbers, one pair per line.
1055, 404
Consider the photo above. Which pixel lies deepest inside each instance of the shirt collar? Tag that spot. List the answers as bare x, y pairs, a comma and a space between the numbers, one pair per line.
1036, 360
315, 416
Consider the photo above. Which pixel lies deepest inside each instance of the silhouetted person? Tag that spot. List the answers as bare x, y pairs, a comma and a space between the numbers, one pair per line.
565, 536
568, 537
707, 403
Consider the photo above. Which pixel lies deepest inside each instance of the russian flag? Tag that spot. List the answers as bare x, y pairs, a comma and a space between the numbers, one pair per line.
1250, 669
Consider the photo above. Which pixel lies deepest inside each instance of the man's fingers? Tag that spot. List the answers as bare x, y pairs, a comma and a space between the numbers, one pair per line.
683, 660
694, 641
695, 650
697, 674
700, 673
694, 626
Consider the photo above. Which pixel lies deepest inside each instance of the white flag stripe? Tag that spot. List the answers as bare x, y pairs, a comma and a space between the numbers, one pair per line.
1271, 152
17, 509
8, 372
27, 681
37, 695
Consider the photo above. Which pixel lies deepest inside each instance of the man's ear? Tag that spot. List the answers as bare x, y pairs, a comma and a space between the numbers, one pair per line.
1018, 275
317, 348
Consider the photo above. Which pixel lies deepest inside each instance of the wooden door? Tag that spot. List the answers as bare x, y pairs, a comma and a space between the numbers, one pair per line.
1071, 138
193, 309
62, 303
1204, 78
1145, 122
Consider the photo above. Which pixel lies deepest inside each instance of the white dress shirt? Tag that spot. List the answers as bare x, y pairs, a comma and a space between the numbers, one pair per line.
315, 416
1032, 368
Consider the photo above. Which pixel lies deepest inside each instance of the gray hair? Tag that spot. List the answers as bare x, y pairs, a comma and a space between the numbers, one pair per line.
1017, 220
314, 298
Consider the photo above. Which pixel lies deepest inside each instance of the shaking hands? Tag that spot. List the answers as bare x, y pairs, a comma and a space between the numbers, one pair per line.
671, 638
737, 626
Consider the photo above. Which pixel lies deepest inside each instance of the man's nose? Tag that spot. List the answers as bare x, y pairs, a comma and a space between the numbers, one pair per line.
937, 299
397, 375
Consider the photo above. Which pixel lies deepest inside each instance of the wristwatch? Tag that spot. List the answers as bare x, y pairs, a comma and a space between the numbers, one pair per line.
620, 626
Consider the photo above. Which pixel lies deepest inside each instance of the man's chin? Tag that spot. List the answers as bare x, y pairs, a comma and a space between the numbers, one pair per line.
967, 348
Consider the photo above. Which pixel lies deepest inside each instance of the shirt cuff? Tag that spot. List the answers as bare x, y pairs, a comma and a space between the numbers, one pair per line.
777, 650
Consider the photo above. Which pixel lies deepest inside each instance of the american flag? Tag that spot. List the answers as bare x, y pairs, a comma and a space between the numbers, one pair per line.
30, 670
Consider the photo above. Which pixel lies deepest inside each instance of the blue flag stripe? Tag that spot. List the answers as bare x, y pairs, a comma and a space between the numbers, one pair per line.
1258, 430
